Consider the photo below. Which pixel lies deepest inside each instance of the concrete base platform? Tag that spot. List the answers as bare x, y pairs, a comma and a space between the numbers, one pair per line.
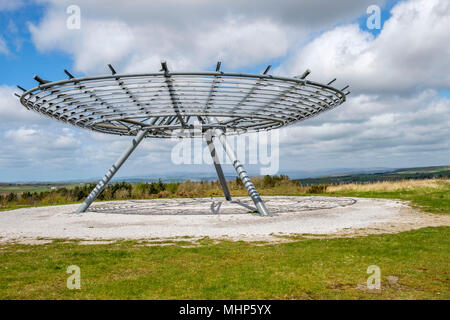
215, 218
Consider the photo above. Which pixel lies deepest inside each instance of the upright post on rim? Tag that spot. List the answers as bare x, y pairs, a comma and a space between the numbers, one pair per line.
248, 184
212, 150
112, 171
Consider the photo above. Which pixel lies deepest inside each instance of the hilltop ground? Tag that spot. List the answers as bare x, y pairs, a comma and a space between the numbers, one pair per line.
414, 264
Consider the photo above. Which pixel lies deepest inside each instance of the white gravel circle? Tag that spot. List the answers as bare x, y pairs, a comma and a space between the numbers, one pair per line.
198, 217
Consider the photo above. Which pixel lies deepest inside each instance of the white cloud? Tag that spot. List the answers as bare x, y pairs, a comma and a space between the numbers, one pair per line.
37, 140
240, 43
410, 52
8, 5
405, 128
22, 135
139, 48
12, 112
3, 46
194, 34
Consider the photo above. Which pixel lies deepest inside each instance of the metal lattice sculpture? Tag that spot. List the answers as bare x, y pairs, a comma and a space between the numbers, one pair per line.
165, 104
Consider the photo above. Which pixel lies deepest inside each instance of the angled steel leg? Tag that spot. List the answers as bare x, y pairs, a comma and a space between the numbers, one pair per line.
116, 166
248, 184
223, 182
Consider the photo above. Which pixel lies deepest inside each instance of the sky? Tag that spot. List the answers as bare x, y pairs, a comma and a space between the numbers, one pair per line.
397, 115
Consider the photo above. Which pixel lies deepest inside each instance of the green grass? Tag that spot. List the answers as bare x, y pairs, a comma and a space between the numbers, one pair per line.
23, 188
33, 187
431, 200
309, 269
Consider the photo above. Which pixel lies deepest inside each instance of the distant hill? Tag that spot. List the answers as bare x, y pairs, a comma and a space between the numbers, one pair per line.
336, 176
398, 174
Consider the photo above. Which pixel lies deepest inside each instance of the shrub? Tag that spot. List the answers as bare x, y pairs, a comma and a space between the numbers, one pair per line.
11, 197
141, 189
172, 187
163, 194
268, 181
318, 188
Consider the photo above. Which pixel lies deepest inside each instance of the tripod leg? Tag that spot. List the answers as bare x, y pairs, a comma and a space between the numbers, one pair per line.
212, 150
111, 172
248, 184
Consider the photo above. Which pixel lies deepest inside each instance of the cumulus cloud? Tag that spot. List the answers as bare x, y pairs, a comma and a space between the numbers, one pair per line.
141, 48
12, 112
3, 46
402, 129
194, 34
58, 152
411, 52
8, 5
37, 148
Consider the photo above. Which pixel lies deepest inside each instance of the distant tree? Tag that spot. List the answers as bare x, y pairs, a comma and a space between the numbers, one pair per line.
172, 187
62, 191
161, 186
11, 197
26, 195
268, 181
141, 189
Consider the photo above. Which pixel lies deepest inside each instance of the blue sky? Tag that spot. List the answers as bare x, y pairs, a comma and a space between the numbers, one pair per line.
25, 61
382, 124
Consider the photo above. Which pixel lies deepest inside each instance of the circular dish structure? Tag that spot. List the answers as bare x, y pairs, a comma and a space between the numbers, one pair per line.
182, 104
124, 104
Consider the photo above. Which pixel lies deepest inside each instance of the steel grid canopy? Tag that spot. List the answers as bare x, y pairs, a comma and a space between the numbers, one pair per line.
124, 104
165, 104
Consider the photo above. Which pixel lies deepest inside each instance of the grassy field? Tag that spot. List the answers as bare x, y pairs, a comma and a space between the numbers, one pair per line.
414, 264
395, 175
23, 188
428, 195
32, 187
307, 269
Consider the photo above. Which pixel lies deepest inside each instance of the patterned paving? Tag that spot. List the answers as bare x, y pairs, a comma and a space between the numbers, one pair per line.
214, 206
